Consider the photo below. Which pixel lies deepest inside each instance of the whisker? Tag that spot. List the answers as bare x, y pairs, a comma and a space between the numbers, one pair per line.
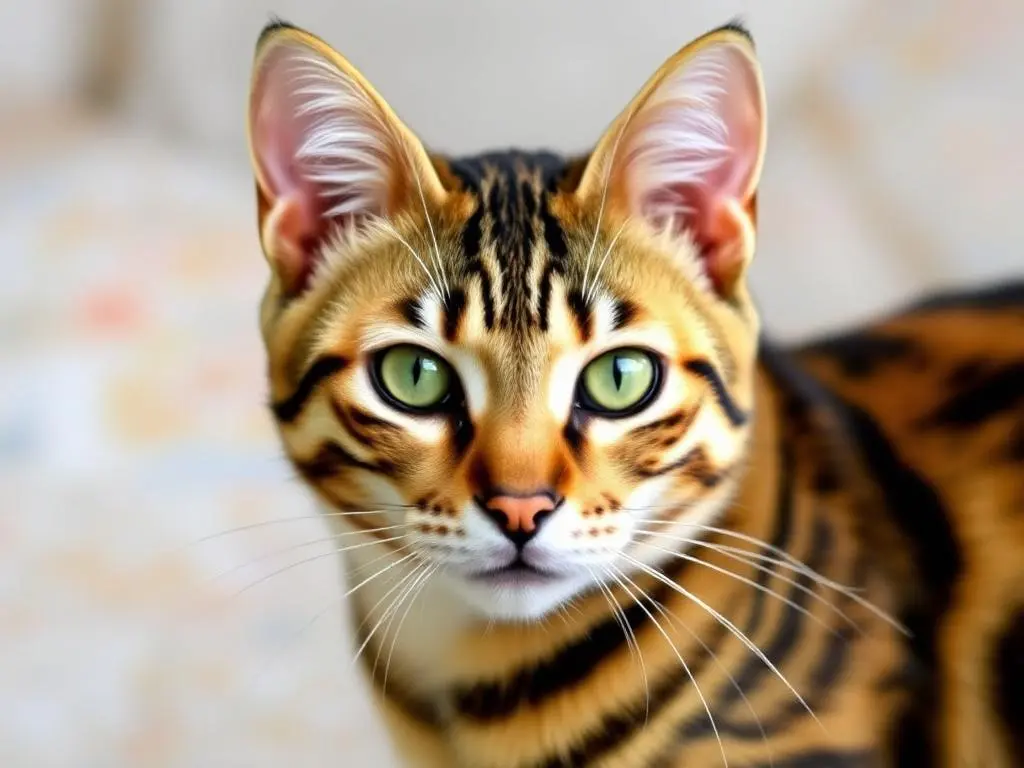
736, 631
621, 578
285, 550
760, 587
674, 619
796, 566
631, 641
604, 195
418, 568
392, 612
389, 228
334, 601
600, 267
421, 585
320, 556
279, 521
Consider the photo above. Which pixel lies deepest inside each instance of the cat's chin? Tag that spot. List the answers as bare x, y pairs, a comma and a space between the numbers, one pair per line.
515, 596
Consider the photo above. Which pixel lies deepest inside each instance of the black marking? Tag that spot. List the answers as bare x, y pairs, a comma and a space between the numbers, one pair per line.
621, 725
472, 233
625, 312
782, 530
707, 371
348, 422
1009, 295
276, 24
331, 458
454, 307
287, 410
564, 669
486, 296
412, 312
544, 294
967, 373
581, 314
914, 506
1008, 676
498, 210
861, 354
1015, 448
529, 198
573, 434
553, 234
993, 392
462, 434
826, 758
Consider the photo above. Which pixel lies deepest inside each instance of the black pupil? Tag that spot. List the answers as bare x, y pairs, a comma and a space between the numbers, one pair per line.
417, 370
617, 366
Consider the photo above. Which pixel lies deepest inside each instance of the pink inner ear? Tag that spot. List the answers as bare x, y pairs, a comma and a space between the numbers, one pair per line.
321, 152
695, 151
278, 131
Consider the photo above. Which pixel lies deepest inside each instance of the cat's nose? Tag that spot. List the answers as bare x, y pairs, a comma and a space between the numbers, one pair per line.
519, 517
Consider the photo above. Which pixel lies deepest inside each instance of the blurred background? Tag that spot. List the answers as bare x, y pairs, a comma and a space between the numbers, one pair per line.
132, 418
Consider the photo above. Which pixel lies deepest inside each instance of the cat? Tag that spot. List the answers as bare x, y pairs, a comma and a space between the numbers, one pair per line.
590, 515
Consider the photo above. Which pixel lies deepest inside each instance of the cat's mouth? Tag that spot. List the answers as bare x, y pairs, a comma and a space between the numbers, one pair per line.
518, 573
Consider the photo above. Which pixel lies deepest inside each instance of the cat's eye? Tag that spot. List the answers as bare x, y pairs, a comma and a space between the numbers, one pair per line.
413, 378
620, 382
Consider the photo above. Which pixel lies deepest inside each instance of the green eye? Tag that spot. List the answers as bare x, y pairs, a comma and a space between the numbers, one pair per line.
619, 382
414, 377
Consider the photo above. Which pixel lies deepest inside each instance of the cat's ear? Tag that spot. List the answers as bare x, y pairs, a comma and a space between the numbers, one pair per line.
327, 152
686, 154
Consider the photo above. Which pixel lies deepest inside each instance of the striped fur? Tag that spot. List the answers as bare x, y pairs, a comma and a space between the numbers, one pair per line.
790, 558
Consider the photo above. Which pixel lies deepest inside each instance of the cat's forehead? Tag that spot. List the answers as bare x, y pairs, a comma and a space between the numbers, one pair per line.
512, 242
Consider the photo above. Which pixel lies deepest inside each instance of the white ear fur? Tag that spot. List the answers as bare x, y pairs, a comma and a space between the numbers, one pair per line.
697, 136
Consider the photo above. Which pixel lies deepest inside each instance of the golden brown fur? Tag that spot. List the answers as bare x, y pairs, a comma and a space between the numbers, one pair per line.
791, 558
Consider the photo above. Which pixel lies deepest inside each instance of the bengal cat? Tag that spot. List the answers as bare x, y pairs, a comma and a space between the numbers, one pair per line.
589, 515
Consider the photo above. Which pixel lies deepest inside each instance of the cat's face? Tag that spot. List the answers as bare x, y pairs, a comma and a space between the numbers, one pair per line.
525, 371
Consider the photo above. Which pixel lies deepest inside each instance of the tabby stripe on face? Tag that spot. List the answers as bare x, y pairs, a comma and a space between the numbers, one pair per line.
567, 667
356, 422
287, 410
582, 314
454, 308
478, 268
737, 417
412, 312
331, 458
625, 312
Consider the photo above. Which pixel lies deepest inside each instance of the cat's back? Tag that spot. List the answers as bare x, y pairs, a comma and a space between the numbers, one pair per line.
938, 390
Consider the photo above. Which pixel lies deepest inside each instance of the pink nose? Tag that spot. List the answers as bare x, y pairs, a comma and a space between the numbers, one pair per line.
523, 514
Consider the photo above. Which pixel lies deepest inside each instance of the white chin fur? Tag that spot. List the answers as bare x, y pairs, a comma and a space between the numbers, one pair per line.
519, 603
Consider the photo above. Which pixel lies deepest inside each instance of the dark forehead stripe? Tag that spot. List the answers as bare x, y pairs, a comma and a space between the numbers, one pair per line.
454, 307
512, 217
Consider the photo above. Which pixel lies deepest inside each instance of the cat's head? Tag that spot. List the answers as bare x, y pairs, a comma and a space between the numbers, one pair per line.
514, 367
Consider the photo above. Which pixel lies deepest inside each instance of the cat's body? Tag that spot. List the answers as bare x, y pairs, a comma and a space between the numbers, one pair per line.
752, 556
